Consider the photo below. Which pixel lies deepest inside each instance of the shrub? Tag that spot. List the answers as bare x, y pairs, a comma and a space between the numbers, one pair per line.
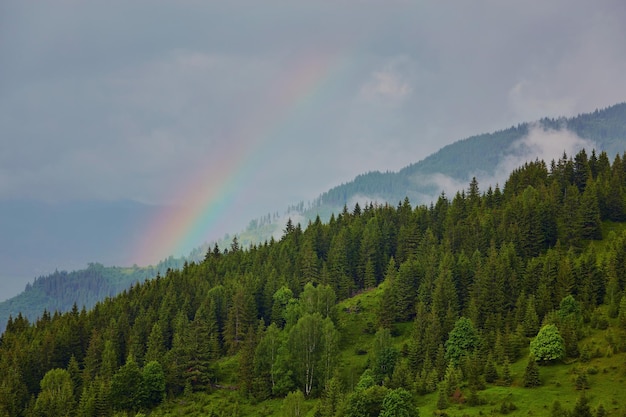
548, 346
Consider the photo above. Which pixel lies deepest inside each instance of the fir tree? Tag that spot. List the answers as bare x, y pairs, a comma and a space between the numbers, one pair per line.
582, 408
507, 379
531, 374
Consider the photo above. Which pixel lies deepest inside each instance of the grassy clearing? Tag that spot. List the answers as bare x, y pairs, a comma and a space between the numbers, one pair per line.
220, 403
357, 319
606, 377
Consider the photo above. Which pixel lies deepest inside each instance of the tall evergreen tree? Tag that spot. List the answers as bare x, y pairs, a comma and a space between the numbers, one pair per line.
531, 374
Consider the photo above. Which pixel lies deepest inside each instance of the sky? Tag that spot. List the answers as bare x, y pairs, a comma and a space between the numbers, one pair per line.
227, 110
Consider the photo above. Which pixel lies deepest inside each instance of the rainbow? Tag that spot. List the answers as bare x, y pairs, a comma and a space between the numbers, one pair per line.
205, 199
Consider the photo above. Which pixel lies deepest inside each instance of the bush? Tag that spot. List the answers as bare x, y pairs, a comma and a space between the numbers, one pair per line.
581, 383
507, 407
548, 346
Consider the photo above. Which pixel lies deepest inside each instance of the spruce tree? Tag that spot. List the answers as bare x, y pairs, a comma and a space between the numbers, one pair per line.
531, 374
491, 373
582, 408
331, 398
507, 379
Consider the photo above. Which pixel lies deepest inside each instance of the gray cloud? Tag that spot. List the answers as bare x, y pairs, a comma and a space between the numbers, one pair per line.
128, 100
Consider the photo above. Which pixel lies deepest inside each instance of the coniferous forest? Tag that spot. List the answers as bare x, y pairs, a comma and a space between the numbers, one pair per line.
463, 307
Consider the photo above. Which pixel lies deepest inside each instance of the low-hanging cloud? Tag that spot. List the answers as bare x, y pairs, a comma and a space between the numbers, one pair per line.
540, 143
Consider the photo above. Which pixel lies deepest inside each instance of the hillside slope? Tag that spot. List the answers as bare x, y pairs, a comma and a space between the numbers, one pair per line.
61, 290
475, 156
420, 182
381, 308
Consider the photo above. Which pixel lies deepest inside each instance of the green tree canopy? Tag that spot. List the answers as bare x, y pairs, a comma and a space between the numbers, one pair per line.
153, 383
127, 387
398, 403
293, 405
548, 346
56, 397
462, 340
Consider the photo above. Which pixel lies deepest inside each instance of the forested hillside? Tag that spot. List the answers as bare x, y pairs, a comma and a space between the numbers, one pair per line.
381, 311
61, 290
480, 153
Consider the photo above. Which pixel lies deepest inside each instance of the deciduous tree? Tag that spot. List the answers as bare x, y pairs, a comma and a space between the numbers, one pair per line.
548, 346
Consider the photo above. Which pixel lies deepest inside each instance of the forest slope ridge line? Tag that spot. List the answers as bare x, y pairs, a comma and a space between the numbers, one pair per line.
457, 292
488, 157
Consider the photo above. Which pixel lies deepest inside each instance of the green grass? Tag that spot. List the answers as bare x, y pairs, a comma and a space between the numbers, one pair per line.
220, 403
608, 228
357, 319
606, 387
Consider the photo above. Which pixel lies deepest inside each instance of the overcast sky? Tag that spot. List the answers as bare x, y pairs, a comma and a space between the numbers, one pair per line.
135, 100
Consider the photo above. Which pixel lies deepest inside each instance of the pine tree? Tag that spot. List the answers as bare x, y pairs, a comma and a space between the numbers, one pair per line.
571, 222
387, 311
621, 316
331, 398
590, 213
557, 410
74, 370
109, 360
241, 315
507, 379
155, 350
582, 408
491, 373
338, 264
246, 360
443, 400
531, 320
531, 375
581, 382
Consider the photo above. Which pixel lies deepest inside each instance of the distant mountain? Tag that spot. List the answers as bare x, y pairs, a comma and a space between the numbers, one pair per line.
37, 237
60, 290
480, 155
489, 157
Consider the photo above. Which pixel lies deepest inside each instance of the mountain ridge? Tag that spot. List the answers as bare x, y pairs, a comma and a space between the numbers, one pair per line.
458, 160
606, 127
437, 307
